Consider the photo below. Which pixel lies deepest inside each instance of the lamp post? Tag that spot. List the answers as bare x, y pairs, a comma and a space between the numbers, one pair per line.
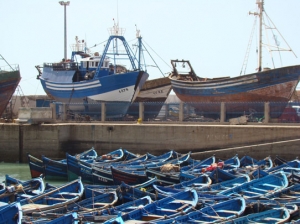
65, 4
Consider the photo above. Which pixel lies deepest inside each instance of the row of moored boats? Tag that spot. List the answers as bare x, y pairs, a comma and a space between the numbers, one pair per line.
122, 187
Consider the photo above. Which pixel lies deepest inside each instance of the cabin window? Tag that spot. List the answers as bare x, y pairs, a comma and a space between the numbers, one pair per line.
97, 63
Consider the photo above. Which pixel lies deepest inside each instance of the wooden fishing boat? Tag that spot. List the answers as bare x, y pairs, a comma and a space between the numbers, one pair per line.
61, 219
55, 169
109, 213
256, 206
218, 175
264, 164
196, 166
55, 198
276, 215
11, 213
182, 202
128, 176
9, 80
35, 166
196, 183
16, 190
128, 193
95, 203
259, 187
219, 212
228, 184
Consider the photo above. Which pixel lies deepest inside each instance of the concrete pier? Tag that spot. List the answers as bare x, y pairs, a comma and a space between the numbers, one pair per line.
54, 140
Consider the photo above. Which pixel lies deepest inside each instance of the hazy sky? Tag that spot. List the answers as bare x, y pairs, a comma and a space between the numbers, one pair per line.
212, 34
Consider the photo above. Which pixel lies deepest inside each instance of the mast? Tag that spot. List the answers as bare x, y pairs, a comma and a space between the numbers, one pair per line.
260, 4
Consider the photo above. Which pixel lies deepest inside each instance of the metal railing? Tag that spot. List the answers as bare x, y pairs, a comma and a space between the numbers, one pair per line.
257, 112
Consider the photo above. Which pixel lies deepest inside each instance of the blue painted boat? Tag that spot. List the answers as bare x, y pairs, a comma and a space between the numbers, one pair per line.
265, 163
196, 183
256, 206
219, 212
259, 187
228, 184
276, 215
35, 166
290, 164
61, 219
55, 169
11, 213
131, 177
231, 163
128, 193
95, 203
94, 79
55, 198
182, 202
218, 175
196, 166
108, 213
16, 190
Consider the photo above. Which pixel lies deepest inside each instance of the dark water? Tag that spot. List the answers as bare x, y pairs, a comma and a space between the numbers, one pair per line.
19, 171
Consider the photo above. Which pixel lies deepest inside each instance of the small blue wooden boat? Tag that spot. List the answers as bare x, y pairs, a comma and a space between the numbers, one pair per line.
291, 164
219, 212
109, 213
128, 176
11, 213
182, 202
91, 190
259, 187
17, 190
196, 167
231, 163
102, 176
114, 156
288, 194
276, 215
62, 219
263, 164
218, 175
255, 206
55, 169
196, 183
35, 166
164, 178
96, 203
54, 198
79, 168
128, 193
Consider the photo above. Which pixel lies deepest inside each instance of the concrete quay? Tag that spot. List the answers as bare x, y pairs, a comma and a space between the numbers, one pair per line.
55, 140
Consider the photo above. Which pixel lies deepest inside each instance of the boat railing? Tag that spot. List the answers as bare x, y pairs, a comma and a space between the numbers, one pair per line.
61, 66
9, 68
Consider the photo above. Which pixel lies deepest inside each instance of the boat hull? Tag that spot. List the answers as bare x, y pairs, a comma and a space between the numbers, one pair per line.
153, 94
9, 81
242, 93
119, 90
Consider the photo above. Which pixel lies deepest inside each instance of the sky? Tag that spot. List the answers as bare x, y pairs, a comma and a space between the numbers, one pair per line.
212, 34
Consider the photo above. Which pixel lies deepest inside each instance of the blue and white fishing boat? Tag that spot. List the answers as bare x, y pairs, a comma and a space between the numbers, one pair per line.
17, 190
179, 203
11, 213
259, 187
276, 215
84, 81
55, 198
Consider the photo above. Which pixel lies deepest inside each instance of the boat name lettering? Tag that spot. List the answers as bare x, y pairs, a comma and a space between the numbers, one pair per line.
102, 179
158, 91
123, 90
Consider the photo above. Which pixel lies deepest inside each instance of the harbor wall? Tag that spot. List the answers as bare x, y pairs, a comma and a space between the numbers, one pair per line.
55, 140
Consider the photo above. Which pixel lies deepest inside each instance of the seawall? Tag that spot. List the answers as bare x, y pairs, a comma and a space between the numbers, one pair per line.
54, 140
